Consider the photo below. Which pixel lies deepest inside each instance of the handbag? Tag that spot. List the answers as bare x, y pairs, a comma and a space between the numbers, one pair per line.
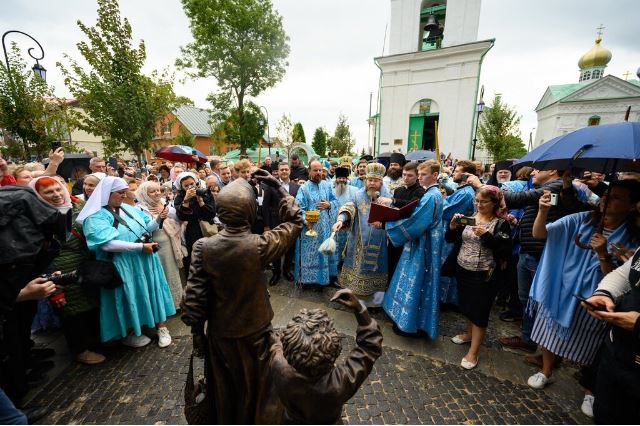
94, 273
198, 403
207, 228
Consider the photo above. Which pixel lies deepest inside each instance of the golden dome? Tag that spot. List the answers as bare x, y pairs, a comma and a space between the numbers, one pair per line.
598, 56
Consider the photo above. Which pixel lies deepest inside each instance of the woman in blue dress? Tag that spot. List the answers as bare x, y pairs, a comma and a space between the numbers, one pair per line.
144, 297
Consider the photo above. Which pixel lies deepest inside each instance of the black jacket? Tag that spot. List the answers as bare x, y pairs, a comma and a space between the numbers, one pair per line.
299, 172
271, 204
193, 215
403, 195
528, 200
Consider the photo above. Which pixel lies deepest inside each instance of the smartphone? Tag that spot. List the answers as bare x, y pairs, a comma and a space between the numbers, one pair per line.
55, 145
590, 305
465, 220
464, 178
554, 199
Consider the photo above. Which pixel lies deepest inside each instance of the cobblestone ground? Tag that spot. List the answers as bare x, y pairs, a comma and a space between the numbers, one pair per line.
451, 323
144, 386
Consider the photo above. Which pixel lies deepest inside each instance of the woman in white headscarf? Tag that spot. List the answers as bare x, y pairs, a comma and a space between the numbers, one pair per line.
144, 297
89, 185
150, 200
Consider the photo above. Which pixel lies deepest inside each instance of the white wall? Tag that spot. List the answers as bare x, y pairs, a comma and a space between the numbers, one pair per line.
404, 30
449, 77
462, 21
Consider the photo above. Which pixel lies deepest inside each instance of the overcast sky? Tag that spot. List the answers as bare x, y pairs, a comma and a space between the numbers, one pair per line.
333, 43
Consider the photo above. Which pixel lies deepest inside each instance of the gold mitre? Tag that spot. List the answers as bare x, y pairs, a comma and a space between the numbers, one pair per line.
345, 161
375, 171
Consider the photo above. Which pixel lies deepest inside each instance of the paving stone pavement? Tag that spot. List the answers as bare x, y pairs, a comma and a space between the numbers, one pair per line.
144, 386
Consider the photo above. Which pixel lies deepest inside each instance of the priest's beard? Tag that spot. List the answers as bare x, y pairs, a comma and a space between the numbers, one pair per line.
316, 178
394, 174
373, 194
340, 188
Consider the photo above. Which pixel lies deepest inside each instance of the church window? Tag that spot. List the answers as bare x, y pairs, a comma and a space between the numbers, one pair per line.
596, 74
586, 76
593, 120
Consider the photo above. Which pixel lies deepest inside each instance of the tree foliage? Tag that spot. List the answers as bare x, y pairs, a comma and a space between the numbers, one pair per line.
225, 119
320, 139
298, 133
341, 142
184, 138
498, 131
284, 129
120, 103
30, 115
242, 44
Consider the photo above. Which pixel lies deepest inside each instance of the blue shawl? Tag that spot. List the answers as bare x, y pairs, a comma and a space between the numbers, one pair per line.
566, 270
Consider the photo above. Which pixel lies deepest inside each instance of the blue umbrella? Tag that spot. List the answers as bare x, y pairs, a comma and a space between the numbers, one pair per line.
420, 155
606, 148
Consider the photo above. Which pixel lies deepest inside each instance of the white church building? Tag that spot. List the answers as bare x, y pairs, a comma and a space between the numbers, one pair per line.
430, 77
594, 99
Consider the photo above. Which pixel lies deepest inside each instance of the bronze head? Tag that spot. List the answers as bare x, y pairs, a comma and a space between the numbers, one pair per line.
311, 343
236, 204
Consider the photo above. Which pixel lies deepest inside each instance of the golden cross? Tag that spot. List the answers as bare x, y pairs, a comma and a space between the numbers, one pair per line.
626, 75
414, 136
600, 28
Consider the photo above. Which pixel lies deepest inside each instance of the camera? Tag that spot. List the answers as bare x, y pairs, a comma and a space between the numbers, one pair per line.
199, 191
146, 238
64, 279
471, 221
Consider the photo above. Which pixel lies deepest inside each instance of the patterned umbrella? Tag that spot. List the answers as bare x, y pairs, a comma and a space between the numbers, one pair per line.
182, 153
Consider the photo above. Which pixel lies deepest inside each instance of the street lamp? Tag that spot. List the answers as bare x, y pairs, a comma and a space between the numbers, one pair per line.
479, 110
38, 69
268, 132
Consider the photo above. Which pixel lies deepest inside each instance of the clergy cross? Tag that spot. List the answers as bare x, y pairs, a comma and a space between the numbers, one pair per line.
414, 136
626, 75
600, 28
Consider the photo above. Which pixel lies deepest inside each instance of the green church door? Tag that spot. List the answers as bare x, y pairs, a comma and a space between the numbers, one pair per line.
416, 129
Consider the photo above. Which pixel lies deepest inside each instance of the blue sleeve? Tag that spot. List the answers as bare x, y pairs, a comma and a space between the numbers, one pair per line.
98, 229
414, 226
458, 202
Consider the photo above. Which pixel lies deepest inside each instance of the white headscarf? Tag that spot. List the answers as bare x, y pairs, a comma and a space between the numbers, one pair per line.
185, 175
100, 196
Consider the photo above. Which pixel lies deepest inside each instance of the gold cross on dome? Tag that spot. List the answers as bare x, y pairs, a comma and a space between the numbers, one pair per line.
600, 28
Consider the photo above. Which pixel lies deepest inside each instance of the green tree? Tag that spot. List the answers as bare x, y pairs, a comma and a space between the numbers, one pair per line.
284, 127
119, 102
498, 131
298, 134
241, 43
30, 114
226, 122
184, 138
319, 144
341, 142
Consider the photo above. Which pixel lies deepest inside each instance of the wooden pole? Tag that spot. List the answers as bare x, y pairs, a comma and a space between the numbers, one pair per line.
437, 142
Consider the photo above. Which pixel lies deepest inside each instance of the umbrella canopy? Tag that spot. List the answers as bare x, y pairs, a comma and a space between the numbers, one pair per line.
180, 153
420, 155
606, 148
71, 162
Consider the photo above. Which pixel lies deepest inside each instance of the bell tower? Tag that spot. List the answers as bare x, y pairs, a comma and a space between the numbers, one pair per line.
430, 77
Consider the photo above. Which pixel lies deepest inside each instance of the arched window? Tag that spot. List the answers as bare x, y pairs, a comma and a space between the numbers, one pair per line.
586, 75
594, 120
596, 74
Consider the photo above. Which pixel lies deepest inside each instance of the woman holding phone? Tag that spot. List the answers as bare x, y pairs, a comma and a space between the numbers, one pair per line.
485, 244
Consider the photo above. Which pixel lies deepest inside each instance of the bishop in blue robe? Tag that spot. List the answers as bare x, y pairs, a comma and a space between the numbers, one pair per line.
412, 300
312, 267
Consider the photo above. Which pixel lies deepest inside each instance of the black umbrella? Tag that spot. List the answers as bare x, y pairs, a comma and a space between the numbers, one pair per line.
72, 162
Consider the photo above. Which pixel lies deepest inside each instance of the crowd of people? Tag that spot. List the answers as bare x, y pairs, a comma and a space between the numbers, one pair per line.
557, 252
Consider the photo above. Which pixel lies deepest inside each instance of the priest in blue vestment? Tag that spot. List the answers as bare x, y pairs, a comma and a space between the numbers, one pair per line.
412, 300
311, 266
365, 264
461, 201
359, 179
343, 193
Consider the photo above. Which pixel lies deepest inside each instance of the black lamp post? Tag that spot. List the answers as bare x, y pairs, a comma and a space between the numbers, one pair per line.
268, 132
38, 69
479, 110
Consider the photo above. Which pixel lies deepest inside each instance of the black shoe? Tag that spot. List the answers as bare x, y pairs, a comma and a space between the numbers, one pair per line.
36, 379
510, 316
42, 367
399, 332
275, 278
288, 276
41, 353
34, 413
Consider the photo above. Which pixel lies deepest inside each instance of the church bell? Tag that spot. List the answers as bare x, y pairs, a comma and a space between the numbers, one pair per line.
432, 24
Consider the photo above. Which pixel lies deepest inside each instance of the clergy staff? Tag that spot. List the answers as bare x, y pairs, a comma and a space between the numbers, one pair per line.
365, 265
312, 267
412, 300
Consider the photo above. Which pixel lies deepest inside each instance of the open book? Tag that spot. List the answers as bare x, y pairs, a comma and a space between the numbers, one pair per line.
380, 213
